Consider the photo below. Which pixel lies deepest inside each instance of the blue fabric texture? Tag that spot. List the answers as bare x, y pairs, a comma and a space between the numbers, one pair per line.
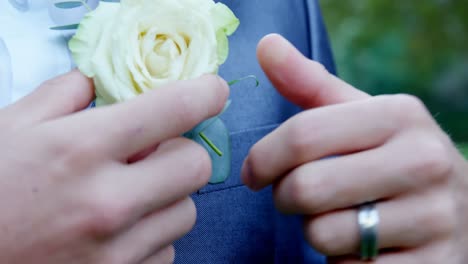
234, 224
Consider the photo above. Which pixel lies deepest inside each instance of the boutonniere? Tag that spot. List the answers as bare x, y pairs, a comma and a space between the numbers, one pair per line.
134, 46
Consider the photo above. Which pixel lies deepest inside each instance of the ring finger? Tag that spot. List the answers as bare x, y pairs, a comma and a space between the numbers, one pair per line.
433, 253
404, 223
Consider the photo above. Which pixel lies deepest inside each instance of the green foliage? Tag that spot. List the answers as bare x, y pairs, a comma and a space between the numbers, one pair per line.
464, 149
417, 47
75, 4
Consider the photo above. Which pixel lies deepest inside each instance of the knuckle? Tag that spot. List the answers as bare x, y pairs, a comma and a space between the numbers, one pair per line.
297, 189
105, 217
441, 219
321, 76
318, 68
299, 195
300, 138
81, 156
60, 147
406, 109
434, 164
70, 156
409, 104
69, 150
186, 112
321, 237
85, 148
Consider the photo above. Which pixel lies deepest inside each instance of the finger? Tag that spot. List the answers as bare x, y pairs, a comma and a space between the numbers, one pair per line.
165, 256
391, 258
128, 128
404, 223
178, 168
331, 130
406, 163
153, 233
57, 97
435, 253
302, 81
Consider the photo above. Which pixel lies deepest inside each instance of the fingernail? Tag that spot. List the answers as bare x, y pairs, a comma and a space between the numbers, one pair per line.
276, 49
247, 176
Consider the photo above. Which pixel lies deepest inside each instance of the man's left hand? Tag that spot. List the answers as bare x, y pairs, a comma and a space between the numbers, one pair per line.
348, 148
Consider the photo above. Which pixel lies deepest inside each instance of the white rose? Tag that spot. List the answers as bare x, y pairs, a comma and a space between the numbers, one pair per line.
131, 47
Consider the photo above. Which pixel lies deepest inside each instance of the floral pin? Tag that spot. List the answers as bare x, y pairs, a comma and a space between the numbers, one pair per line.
134, 46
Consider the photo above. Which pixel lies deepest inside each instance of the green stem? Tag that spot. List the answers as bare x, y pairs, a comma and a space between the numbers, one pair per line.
211, 144
257, 82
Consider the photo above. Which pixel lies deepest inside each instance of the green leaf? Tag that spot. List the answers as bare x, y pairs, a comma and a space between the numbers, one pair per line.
463, 149
68, 5
218, 135
65, 27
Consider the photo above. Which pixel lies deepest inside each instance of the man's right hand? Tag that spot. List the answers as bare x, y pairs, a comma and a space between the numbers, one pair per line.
71, 189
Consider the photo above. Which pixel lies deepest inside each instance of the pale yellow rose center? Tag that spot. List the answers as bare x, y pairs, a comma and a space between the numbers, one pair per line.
161, 51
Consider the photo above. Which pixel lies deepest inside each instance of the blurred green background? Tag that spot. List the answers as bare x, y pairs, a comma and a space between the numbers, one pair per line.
415, 47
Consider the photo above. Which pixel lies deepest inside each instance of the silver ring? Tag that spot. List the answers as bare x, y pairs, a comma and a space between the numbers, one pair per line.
368, 220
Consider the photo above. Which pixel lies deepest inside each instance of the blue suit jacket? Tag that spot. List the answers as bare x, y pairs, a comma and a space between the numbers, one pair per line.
234, 224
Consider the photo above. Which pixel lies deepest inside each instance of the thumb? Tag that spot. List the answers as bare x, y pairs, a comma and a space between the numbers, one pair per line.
304, 82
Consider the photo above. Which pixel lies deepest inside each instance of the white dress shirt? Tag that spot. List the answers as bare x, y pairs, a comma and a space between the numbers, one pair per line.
30, 52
